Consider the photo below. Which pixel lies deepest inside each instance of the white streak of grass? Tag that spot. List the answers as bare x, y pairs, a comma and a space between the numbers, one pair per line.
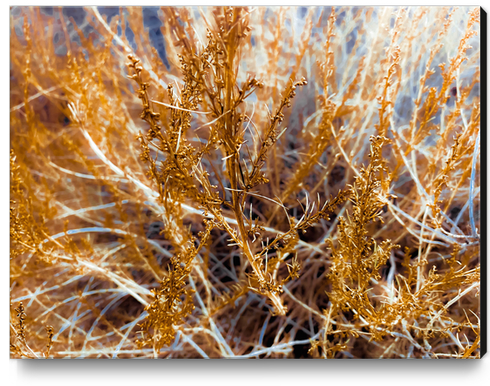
186, 339
130, 287
31, 98
89, 338
107, 230
179, 108
282, 348
472, 186
127, 49
87, 176
303, 304
125, 337
224, 347
72, 212
454, 300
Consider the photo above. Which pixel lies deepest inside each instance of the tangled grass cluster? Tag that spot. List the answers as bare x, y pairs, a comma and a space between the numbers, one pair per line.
245, 182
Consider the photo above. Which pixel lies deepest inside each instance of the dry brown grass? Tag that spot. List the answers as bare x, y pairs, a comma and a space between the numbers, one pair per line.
275, 183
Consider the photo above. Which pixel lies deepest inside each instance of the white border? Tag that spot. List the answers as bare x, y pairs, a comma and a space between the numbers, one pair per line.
200, 372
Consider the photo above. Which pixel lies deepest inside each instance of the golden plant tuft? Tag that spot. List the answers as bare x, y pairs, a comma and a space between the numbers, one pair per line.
245, 182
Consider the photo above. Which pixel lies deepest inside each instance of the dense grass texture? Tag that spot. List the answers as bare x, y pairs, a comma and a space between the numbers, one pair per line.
245, 182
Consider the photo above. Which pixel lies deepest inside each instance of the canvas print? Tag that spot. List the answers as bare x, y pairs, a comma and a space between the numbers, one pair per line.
245, 182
